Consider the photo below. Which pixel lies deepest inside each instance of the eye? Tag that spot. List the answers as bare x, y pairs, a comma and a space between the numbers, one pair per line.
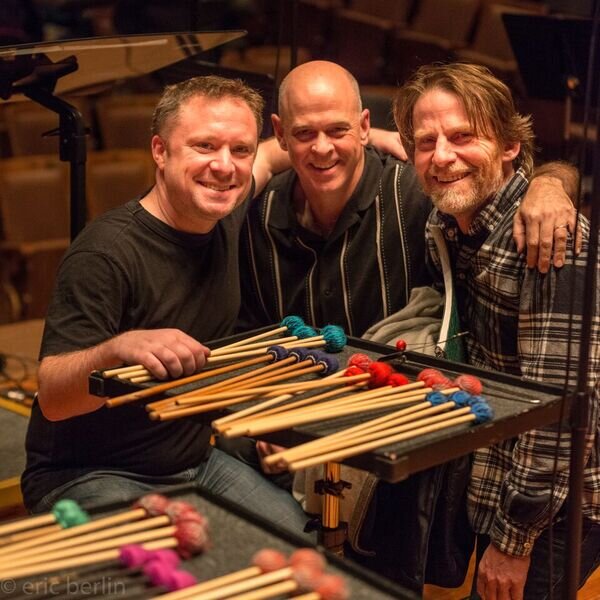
462, 137
337, 132
425, 144
304, 135
203, 146
242, 150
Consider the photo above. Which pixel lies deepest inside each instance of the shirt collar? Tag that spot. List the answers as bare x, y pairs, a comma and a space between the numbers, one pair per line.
282, 210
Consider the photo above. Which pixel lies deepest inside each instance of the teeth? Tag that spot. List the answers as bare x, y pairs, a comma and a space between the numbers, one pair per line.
217, 188
324, 167
450, 179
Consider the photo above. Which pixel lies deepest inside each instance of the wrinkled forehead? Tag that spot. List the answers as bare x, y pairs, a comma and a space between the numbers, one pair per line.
449, 108
207, 110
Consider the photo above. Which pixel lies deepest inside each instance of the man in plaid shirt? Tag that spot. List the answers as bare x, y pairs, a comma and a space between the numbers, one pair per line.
473, 156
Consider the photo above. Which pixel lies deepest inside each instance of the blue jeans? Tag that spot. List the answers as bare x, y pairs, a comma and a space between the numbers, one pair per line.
538, 577
220, 473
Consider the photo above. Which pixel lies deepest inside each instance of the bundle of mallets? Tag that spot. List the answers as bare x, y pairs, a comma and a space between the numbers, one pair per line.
431, 403
271, 575
298, 333
66, 538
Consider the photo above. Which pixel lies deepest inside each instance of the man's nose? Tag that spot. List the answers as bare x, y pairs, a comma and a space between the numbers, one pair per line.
443, 153
222, 162
322, 144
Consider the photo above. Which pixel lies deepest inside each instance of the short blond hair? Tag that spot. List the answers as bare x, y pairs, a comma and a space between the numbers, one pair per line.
488, 103
209, 86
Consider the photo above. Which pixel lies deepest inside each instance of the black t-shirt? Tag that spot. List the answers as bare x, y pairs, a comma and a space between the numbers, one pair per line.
128, 270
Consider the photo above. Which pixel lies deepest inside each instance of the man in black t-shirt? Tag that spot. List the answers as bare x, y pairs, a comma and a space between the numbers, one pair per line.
140, 286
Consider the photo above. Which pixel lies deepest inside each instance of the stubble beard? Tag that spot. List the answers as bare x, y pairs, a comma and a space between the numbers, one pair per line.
485, 182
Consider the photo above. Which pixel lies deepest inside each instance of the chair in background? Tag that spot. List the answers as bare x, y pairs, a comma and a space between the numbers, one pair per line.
437, 28
360, 44
116, 176
397, 11
34, 212
491, 47
124, 120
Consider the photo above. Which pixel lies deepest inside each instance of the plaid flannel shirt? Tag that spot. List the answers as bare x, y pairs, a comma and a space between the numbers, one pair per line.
519, 323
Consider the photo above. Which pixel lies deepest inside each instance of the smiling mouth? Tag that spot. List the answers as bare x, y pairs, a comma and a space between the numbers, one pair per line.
450, 178
323, 167
215, 187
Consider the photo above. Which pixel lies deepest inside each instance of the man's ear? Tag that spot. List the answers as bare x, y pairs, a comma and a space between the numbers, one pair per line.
278, 129
511, 151
159, 149
365, 126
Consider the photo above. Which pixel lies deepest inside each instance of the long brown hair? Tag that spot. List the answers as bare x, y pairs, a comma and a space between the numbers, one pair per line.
488, 103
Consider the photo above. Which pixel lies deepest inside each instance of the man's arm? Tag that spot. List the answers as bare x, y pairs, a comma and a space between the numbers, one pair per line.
270, 160
547, 215
63, 379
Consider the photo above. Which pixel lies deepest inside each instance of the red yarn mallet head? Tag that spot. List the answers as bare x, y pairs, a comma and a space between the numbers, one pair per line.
192, 538
362, 361
397, 379
309, 557
332, 587
469, 383
268, 560
353, 370
153, 504
306, 576
400, 345
178, 510
425, 373
380, 373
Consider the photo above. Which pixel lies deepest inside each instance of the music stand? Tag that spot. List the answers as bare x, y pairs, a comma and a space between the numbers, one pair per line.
552, 54
39, 71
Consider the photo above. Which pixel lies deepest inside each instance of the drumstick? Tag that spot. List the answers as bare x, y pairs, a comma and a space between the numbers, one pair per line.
157, 389
263, 561
263, 409
172, 404
19, 546
280, 370
340, 443
363, 401
159, 404
87, 559
268, 426
313, 342
285, 387
174, 411
392, 418
64, 512
324, 366
477, 412
132, 533
300, 558
188, 527
236, 428
231, 350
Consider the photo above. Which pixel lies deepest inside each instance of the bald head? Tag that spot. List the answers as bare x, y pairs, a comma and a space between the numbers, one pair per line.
315, 78
324, 130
